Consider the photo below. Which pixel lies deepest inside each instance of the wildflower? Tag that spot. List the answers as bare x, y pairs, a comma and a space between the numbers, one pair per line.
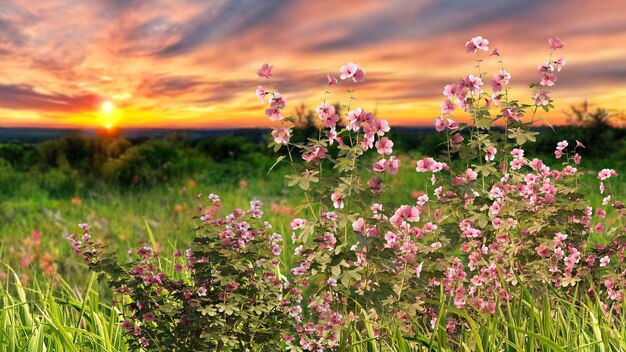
331, 80
265, 71
490, 153
418, 270
447, 107
281, 135
476, 43
297, 223
473, 83
202, 291
351, 70
260, 93
331, 282
542, 98
606, 173
384, 146
316, 153
451, 90
560, 63
274, 114
556, 43
337, 199
604, 261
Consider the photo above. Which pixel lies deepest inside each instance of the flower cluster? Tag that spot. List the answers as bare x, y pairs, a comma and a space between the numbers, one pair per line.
210, 296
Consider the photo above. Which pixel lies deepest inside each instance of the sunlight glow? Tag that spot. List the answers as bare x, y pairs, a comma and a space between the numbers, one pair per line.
107, 107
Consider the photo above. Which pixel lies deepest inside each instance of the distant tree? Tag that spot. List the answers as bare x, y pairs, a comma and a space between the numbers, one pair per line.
305, 117
582, 116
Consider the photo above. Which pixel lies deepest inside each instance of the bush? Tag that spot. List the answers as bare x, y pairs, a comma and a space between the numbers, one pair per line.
223, 293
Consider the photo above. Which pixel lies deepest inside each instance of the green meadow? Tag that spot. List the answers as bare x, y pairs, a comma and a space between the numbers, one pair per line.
150, 190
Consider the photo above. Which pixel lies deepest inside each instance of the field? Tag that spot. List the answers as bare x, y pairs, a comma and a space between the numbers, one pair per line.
151, 191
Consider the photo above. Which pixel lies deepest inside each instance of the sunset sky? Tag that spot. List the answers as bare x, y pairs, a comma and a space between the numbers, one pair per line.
193, 63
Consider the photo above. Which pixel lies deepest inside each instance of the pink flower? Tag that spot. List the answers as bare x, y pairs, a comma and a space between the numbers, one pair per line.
440, 124
277, 100
490, 153
561, 145
476, 43
231, 286
455, 140
606, 173
359, 225
451, 90
331, 282
149, 316
260, 92
579, 144
281, 135
391, 239
418, 270
495, 52
436, 245
331, 80
545, 68
356, 118
337, 199
375, 184
560, 63
548, 80
325, 110
265, 71
380, 166
447, 107
604, 261
474, 83
316, 153
384, 146
502, 76
394, 165
202, 292
569, 170
542, 98
470, 175
297, 223
429, 164
274, 113
556, 43
351, 70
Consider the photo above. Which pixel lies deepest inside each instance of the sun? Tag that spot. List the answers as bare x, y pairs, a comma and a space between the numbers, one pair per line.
108, 125
107, 107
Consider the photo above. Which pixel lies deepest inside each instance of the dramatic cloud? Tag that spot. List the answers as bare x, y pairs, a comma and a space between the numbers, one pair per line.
24, 97
193, 63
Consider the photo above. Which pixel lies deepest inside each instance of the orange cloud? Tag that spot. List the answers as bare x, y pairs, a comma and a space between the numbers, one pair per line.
192, 64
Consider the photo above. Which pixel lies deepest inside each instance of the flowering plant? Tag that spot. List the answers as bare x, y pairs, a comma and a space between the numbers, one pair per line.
498, 222
222, 293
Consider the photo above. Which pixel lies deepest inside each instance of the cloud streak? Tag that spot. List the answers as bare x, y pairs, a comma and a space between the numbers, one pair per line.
192, 62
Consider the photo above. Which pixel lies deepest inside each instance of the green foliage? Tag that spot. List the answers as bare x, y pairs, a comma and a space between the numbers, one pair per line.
224, 295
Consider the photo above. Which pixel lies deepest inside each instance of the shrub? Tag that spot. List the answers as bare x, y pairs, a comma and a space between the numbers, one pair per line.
224, 292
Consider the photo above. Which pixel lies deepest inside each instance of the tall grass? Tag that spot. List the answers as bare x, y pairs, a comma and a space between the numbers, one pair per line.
63, 318
543, 321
